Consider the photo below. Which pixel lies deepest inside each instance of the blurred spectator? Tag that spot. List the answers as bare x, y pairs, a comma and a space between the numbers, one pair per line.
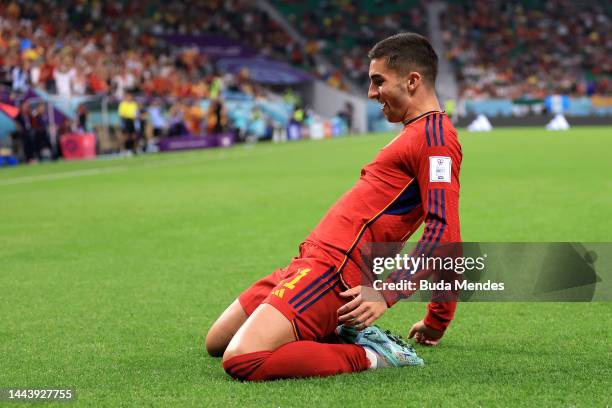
142, 138
157, 118
215, 88
194, 115
176, 123
128, 113
25, 133
79, 83
20, 78
64, 79
346, 114
299, 115
42, 143
46, 76
82, 117
216, 118
291, 98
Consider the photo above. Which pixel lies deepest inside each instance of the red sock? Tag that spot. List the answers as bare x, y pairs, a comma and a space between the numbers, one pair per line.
298, 359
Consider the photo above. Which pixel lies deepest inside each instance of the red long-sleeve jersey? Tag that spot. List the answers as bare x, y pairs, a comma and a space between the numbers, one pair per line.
412, 179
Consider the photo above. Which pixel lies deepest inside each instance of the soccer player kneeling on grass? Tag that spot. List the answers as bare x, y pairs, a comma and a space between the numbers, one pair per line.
286, 324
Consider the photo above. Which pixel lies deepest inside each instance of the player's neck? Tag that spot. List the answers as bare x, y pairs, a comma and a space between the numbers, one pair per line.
430, 104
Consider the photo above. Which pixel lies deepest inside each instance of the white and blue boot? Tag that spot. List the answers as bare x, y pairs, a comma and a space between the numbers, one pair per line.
390, 350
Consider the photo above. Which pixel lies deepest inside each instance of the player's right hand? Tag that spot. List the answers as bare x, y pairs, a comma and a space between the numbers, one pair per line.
366, 306
425, 335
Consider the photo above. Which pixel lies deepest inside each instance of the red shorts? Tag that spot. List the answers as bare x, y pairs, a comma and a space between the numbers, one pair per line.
306, 292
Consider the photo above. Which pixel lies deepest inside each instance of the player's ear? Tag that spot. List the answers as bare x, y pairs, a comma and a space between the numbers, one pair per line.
413, 80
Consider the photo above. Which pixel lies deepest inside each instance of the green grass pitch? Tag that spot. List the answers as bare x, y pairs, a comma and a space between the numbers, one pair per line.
112, 271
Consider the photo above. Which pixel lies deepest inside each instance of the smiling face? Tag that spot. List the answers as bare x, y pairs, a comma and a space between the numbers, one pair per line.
392, 90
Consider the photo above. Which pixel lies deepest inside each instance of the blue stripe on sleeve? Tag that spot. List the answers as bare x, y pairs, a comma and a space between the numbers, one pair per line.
427, 131
433, 128
441, 132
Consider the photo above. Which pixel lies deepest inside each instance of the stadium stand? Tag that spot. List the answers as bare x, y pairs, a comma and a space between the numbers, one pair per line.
345, 31
74, 47
231, 61
569, 43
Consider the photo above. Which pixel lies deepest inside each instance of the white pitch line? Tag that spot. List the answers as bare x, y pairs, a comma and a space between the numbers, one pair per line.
61, 175
112, 169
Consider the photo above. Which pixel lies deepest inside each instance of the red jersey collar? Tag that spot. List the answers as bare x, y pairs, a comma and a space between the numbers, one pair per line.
409, 121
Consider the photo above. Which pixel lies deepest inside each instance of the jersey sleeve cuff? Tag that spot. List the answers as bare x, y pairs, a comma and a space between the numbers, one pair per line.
435, 321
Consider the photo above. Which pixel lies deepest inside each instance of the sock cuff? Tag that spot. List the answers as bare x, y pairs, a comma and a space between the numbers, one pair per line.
241, 367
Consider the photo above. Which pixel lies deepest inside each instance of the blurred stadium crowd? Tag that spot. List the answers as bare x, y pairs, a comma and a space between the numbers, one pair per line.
74, 47
117, 49
82, 46
518, 49
344, 31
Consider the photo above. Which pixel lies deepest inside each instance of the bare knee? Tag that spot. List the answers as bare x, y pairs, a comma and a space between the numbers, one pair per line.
265, 330
215, 343
233, 352
237, 347
243, 345
223, 330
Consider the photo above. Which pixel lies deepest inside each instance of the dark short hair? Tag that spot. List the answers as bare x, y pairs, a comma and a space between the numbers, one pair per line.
407, 52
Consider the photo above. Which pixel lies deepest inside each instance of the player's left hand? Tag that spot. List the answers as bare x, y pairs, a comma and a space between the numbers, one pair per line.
367, 306
425, 335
